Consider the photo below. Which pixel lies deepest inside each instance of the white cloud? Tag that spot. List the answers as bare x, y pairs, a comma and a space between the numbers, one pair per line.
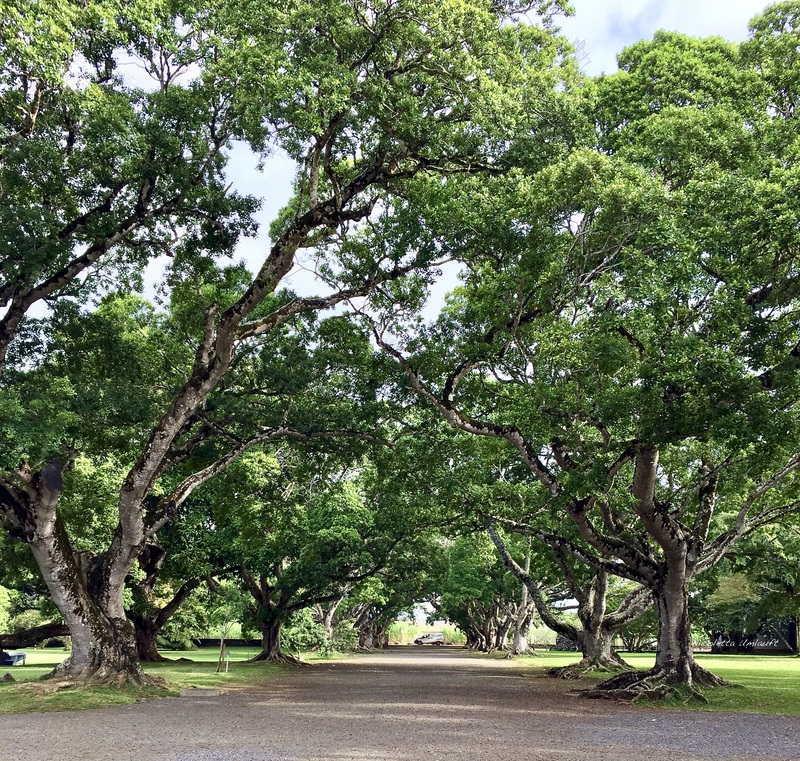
607, 26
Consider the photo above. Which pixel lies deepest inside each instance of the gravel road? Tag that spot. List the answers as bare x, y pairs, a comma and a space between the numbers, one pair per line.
405, 704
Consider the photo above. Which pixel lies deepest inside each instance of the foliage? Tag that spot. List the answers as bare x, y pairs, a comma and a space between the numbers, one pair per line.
641, 633
628, 316
5, 609
301, 633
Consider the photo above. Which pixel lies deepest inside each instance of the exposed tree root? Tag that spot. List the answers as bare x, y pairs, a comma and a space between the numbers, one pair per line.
284, 659
100, 676
657, 684
528, 651
150, 658
588, 665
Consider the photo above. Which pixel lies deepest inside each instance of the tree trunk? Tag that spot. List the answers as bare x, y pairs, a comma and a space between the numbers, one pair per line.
674, 657
597, 648
271, 641
524, 617
501, 634
146, 631
107, 653
366, 638
103, 642
675, 667
522, 625
327, 623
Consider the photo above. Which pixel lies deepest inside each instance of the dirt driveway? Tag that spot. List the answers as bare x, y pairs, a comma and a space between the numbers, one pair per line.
401, 705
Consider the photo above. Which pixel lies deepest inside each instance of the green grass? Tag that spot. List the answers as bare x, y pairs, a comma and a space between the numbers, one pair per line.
27, 695
767, 683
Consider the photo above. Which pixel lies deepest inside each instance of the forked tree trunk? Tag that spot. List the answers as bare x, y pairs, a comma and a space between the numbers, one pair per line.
597, 648
103, 642
675, 666
501, 635
598, 628
327, 622
148, 620
525, 609
519, 644
595, 635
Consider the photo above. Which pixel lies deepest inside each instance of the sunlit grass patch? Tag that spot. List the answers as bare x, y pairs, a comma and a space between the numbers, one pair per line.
27, 694
767, 683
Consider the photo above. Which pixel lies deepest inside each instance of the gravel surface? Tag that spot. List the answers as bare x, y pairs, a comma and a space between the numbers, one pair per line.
401, 705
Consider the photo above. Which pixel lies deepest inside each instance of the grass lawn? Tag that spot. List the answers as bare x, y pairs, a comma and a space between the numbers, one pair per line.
768, 683
28, 695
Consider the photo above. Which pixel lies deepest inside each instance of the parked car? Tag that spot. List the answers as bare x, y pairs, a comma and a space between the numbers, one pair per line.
430, 638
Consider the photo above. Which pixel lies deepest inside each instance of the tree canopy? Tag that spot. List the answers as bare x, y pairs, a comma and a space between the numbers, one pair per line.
612, 390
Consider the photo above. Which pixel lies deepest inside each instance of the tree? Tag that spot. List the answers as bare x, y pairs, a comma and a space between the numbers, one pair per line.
100, 168
470, 587
627, 327
598, 627
356, 102
769, 564
300, 537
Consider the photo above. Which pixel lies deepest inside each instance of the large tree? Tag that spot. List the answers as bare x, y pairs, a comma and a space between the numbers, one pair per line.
599, 620
363, 95
628, 322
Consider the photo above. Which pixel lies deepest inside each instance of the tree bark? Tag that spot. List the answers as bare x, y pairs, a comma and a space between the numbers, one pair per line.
674, 657
522, 625
598, 651
103, 642
271, 641
146, 632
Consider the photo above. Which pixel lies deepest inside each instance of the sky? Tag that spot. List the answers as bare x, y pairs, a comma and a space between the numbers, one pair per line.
604, 27
607, 26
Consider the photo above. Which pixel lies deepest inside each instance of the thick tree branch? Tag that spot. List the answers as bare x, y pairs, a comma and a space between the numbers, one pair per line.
32, 637
535, 590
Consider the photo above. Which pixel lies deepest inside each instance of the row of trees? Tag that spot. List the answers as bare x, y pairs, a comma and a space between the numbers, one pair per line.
615, 379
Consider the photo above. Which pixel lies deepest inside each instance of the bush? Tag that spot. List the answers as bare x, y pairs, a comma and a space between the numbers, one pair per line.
403, 632
453, 636
345, 637
5, 609
301, 634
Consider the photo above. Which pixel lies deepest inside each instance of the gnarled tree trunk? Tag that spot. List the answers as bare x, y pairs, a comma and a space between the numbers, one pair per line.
146, 633
90, 601
595, 636
148, 620
674, 657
